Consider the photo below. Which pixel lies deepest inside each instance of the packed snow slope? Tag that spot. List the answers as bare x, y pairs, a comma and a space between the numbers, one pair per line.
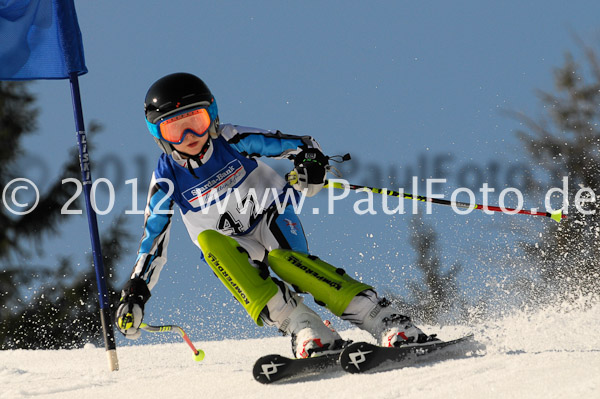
548, 354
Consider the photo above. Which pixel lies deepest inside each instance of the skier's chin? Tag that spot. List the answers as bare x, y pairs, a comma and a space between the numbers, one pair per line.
192, 153
190, 150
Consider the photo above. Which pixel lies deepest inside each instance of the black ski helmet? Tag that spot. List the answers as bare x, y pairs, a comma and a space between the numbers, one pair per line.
176, 92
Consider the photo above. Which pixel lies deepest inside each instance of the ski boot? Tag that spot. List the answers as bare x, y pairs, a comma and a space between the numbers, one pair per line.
399, 330
310, 335
385, 323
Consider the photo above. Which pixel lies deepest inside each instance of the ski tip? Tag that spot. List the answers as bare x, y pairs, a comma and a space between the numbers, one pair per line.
270, 368
470, 338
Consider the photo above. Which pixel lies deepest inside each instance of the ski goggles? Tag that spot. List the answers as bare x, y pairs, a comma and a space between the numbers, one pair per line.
174, 128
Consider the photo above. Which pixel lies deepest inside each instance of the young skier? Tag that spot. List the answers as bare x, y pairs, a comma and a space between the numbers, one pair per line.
212, 173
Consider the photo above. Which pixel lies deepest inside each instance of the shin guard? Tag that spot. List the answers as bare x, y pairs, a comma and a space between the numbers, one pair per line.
230, 262
329, 286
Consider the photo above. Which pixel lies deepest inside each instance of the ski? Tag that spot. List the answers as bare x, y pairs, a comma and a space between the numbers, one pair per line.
271, 368
362, 356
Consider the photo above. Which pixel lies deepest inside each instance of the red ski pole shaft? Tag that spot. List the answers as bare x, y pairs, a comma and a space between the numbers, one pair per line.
198, 353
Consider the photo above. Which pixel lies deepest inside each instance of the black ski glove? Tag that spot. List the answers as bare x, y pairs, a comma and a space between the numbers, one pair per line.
130, 312
310, 166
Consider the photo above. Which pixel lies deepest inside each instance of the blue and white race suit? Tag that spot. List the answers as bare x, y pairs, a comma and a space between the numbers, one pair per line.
230, 191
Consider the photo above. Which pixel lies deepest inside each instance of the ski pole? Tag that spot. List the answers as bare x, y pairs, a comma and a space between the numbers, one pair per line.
556, 215
198, 353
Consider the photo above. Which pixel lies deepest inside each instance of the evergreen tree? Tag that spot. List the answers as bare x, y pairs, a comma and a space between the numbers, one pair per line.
63, 311
567, 143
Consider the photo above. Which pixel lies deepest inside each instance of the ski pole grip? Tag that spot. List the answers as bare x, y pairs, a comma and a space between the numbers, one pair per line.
292, 177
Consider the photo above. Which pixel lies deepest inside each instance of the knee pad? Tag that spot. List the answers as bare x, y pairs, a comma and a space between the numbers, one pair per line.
252, 287
329, 286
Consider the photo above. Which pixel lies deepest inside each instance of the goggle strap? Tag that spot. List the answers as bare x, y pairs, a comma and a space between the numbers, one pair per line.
178, 110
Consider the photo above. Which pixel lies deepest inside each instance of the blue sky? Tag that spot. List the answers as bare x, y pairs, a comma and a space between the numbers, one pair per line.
397, 84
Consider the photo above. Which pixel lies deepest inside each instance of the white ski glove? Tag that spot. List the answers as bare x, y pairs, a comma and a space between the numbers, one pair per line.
130, 312
310, 168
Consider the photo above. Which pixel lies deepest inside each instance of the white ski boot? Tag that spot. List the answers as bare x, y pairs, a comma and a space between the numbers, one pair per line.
385, 323
310, 335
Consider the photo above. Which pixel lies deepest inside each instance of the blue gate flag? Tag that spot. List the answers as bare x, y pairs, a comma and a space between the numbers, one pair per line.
39, 39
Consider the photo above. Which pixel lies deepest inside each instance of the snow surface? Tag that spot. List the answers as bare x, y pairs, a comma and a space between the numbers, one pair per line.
548, 354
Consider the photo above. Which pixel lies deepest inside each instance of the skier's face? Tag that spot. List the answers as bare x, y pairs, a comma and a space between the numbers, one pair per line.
192, 144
